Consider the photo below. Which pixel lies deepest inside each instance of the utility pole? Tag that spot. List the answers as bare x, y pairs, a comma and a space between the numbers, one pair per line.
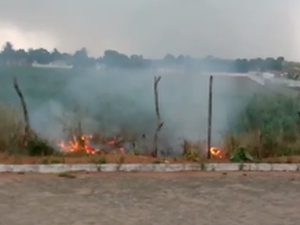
209, 117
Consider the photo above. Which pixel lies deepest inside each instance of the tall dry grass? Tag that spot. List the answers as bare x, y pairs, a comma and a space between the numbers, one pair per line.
11, 130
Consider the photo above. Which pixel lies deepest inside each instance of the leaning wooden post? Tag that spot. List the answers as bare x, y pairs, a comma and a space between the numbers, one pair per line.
27, 131
209, 117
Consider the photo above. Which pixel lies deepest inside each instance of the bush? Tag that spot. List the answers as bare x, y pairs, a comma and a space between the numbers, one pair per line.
39, 147
269, 126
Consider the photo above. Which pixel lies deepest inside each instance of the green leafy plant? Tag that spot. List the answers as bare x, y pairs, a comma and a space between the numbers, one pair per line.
241, 155
136, 152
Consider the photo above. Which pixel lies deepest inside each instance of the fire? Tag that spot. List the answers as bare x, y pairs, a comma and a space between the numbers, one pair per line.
82, 143
216, 153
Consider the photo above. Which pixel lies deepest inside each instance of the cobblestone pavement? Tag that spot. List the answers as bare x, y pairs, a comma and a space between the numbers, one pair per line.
142, 199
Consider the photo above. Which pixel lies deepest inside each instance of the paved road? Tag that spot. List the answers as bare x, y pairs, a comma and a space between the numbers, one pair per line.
127, 199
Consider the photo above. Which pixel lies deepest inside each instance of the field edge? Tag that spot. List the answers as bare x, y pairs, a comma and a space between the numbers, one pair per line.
162, 167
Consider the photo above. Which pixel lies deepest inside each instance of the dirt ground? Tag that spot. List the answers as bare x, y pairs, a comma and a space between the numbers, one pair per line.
148, 198
121, 158
83, 159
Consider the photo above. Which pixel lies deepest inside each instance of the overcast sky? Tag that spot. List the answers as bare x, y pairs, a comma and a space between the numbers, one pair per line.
225, 28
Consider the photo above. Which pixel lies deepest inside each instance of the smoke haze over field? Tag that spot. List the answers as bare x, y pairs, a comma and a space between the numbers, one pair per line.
231, 28
124, 101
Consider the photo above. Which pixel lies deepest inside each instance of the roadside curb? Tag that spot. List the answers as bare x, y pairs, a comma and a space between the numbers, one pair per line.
163, 167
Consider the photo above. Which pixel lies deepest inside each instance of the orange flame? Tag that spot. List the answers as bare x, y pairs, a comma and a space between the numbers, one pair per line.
216, 153
83, 144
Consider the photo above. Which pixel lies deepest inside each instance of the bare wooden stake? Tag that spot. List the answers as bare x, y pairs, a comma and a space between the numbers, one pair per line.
27, 130
209, 117
158, 119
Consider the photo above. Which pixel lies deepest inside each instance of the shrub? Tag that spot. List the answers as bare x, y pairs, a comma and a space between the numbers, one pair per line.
268, 127
39, 147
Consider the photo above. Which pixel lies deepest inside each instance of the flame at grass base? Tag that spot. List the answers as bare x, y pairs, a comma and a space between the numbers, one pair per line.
216, 153
82, 144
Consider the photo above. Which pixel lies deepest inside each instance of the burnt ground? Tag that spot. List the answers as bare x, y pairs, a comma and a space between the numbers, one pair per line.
182, 198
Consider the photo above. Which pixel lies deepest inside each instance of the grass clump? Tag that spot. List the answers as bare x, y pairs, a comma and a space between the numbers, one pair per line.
99, 160
192, 151
67, 175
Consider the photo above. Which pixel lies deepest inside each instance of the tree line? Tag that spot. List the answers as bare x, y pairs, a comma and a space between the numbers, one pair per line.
10, 56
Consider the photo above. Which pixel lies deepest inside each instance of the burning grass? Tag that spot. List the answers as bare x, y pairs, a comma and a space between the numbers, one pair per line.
267, 129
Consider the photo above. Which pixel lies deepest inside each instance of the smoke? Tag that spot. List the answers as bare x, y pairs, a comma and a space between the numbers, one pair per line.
123, 101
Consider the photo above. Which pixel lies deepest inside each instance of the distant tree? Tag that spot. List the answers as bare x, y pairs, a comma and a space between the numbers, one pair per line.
67, 58
8, 48
169, 59
41, 56
181, 59
241, 66
21, 57
256, 64
8, 53
56, 55
113, 58
137, 61
279, 63
81, 59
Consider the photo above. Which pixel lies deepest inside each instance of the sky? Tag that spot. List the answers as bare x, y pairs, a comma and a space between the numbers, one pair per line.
153, 28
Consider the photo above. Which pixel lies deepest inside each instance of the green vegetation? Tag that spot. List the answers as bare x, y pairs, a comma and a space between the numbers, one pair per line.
241, 155
267, 127
114, 59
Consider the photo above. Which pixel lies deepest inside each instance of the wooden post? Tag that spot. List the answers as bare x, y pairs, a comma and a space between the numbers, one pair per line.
159, 122
209, 117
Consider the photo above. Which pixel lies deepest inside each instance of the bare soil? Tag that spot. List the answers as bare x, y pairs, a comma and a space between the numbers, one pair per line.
120, 158
267, 198
79, 158
82, 159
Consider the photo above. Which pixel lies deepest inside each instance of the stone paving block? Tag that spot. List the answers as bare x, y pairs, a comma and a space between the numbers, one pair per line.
59, 168
175, 167
245, 166
54, 168
84, 167
22, 168
147, 167
192, 167
130, 167
253, 166
263, 167
159, 167
108, 167
284, 167
226, 167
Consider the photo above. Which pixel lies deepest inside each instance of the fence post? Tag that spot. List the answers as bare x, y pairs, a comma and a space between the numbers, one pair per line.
209, 117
